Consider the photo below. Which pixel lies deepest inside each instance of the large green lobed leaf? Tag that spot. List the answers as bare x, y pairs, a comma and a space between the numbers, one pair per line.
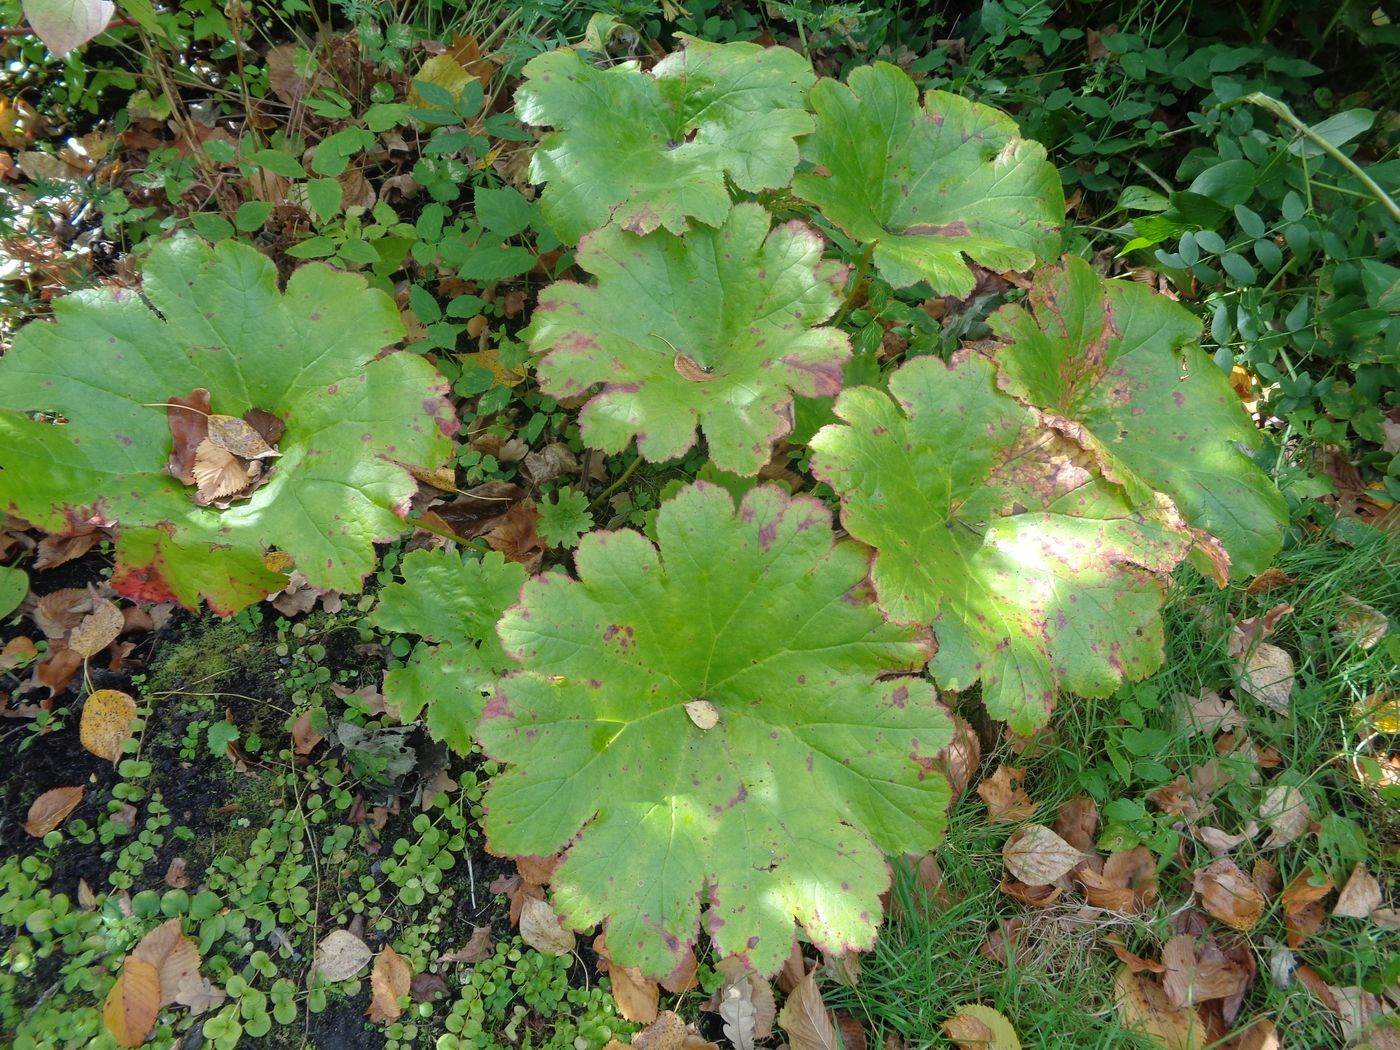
1036, 574
782, 809
653, 150
452, 603
1125, 365
717, 327
928, 185
216, 320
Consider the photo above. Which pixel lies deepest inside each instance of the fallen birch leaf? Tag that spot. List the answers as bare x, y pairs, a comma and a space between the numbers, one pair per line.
106, 723
1037, 856
541, 930
1210, 713
133, 1004
1077, 822
1228, 894
389, 980
51, 809
478, 947
958, 761
1359, 897
238, 437
805, 1018
1303, 913
1220, 842
1196, 975
340, 956
976, 1027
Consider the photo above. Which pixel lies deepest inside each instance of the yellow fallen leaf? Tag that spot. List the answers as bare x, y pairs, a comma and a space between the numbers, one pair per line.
106, 723
491, 361
388, 981
1143, 1005
133, 1003
976, 1027
445, 72
98, 629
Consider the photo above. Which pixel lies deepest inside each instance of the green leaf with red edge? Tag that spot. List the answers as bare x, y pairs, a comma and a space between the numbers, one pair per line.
652, 150
784, 806
216, 320
1036, 574
719, 326
452, 603
928, 185
1124, 365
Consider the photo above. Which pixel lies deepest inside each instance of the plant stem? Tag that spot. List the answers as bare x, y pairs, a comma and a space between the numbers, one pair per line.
622, 480
1281, 110
862, 266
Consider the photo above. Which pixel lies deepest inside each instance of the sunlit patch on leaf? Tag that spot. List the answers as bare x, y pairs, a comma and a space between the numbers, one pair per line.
780, 809
1035, 573
930, 186
217, 325
652, 150
718, 328
1123, 368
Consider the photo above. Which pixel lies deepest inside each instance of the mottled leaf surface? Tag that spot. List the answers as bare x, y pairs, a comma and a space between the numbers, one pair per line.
216, 320
784, 807
718, 327
1035, 573
1125, 365
653, 149
452, 603
930, 185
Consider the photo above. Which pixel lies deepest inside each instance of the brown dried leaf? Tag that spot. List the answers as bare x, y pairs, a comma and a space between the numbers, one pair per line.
1196, 975
1037, 856
58, 612
68, 546
175, 876
805, 1018
692, 371
189, 425
51, 809
1143, 1005
958, 761
551, 462
1209, 712
199, 994
304, 737
86, 899
1228, 894
389, 981
106, 723
1360, 896
540, 928
515, 536
133, 1003
1135, 963
1035, 896
172, 954
478, 947
1303, 912
98, 629
1003, 795
1358, 623
1220, 842
239, 437
754, 991
684, 977
17, 651
636, 995
218, 473
1077, 822
668, 1032
1286, 812
58, 670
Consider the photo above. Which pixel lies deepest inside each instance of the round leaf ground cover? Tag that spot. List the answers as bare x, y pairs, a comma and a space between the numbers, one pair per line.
811, 767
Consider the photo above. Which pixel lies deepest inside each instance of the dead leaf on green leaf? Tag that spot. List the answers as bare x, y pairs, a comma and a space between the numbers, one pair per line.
218, 473
133, 1003
1037, 856
977, 1027
239, 437
340, 956
805, 1018
1359, 897
703, 713
106, 723
1003, 795
1228, 894
51, 809
389, 981
188, 418
541, 930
